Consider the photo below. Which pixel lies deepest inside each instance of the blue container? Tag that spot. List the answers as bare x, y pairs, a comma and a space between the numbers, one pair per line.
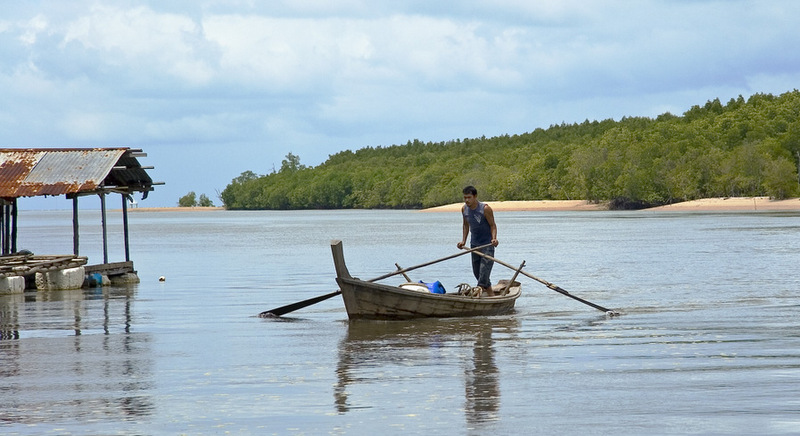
94, 280
435, 287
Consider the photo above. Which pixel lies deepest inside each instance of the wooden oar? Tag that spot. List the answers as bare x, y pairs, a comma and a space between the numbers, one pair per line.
550, 285
283, 310
405, 276
405, 270
279, 311
516, 273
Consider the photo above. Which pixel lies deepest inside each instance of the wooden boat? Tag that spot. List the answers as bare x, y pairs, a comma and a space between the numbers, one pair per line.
369, 300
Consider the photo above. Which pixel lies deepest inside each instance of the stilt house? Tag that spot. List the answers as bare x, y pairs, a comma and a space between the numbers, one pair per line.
74, 173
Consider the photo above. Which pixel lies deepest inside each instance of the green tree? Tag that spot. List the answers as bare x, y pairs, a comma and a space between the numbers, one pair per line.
204, 201
188, 200
245, 177
291, 164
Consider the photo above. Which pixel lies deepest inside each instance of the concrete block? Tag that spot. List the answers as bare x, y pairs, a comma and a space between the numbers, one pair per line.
70, 278
12, 285
125, 279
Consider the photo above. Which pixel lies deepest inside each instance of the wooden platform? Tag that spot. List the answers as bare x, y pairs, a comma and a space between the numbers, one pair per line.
27, 264
111, 269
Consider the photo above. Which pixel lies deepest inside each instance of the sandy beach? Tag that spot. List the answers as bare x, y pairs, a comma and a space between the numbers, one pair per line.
733, 204
720, 204
174, 209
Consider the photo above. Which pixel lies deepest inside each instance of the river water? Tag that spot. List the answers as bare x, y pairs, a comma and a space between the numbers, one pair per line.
708, 341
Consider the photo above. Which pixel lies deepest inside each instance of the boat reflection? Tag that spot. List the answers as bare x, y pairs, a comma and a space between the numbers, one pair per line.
63, 342
464, 343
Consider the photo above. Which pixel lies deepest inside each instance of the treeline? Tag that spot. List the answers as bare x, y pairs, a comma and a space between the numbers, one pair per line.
191, 200
743, 148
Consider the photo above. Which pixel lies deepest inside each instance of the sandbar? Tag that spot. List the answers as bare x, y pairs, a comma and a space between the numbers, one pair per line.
718, 204
733, 204
175, 209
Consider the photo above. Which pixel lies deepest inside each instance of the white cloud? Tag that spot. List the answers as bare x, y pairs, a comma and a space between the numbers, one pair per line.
84, 126
268, 52
32, 28
152, 43
315, 77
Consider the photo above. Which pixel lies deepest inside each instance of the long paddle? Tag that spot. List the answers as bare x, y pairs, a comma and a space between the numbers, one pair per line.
550, 285
279, 311
405, 270
405, 276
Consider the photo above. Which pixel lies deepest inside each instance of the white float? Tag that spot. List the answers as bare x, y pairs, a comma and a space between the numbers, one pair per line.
69, 278
12, 285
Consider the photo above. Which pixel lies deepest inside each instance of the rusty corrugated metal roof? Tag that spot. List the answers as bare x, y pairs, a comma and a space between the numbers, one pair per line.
31, 172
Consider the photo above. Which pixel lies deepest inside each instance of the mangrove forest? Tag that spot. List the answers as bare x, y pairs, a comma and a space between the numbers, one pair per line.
745, 147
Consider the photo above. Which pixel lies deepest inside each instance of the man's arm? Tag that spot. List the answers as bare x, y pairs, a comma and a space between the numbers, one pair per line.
464, 231
489, 214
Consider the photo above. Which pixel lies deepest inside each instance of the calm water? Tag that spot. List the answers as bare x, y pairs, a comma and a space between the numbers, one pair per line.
708, 343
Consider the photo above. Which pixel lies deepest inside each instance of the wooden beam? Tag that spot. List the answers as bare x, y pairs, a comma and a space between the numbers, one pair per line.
110, 269
124, 167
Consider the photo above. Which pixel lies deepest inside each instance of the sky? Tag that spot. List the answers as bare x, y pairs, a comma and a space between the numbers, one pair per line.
212, 88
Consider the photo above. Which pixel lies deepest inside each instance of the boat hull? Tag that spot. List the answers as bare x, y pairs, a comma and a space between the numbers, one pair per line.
366, 300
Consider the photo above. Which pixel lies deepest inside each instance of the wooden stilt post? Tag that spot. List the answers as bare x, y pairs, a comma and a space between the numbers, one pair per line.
105, 230
125, 227
7, 229
3, 228
75, 231
14, 226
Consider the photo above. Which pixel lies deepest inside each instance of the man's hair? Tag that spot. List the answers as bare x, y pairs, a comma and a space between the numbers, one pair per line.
470, 190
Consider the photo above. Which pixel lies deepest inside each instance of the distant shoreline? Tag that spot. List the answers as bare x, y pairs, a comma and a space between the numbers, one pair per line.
533, 205
718, 204
174, 209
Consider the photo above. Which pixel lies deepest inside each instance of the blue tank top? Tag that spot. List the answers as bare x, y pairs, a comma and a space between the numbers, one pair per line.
479, 229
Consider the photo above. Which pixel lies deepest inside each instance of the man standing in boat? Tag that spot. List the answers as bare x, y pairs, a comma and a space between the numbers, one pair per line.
479, 220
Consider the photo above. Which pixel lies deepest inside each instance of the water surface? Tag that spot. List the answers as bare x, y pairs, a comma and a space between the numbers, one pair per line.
708, 342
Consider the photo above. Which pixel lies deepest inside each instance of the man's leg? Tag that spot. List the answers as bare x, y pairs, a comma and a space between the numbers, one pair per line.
485, 270
476, 266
